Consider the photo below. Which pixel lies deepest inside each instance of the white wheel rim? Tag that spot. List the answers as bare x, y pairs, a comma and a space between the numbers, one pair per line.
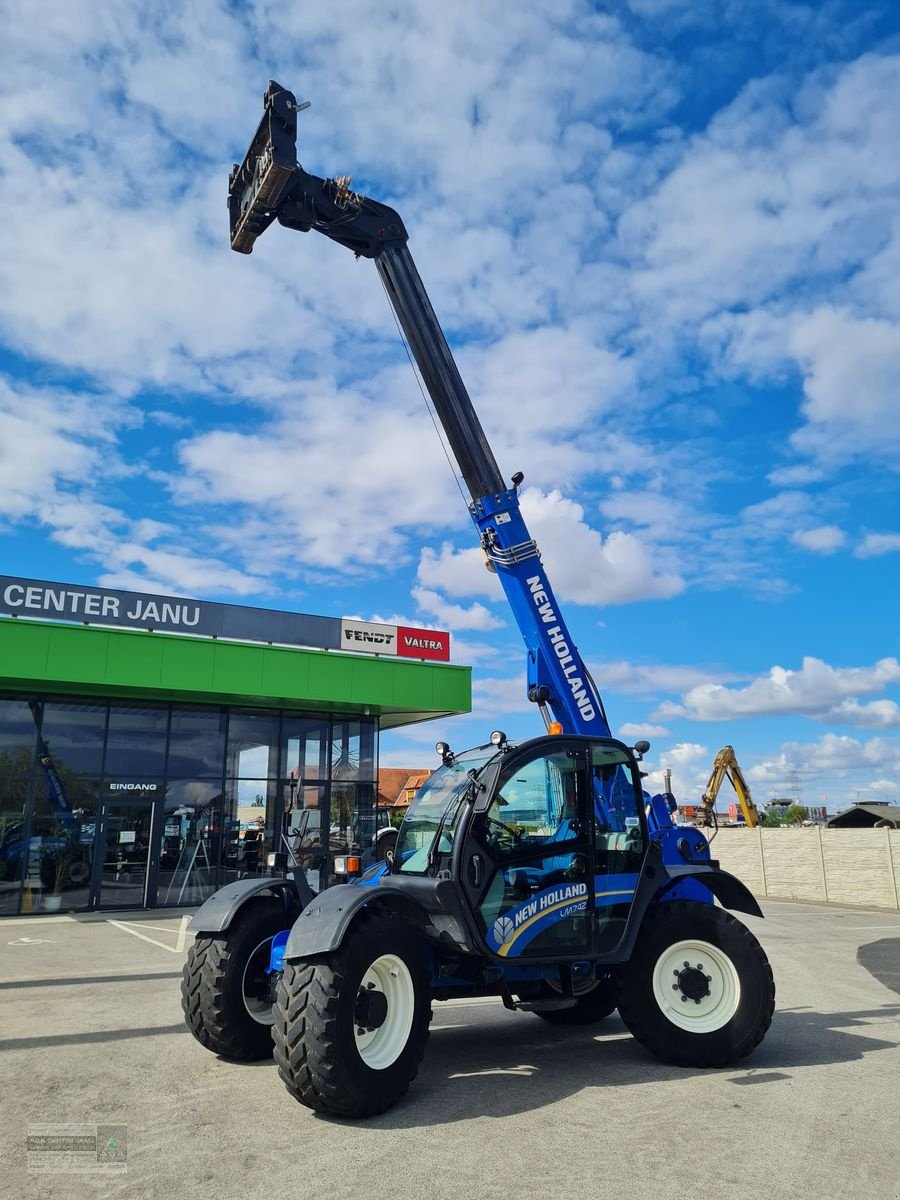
680, 968
379, 1048
261, 1011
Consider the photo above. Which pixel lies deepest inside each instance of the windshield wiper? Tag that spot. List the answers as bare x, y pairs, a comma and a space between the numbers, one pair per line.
467, 794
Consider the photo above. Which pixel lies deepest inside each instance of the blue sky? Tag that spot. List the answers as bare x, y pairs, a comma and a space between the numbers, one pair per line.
664, 240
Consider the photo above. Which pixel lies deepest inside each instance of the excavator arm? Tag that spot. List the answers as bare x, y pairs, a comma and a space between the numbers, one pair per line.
725, 766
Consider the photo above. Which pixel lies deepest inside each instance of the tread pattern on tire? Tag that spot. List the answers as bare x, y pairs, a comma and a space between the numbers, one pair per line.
206, 999
648, 1025
309, 1043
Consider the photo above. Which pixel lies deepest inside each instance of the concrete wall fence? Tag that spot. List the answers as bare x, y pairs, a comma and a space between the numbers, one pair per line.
831, 866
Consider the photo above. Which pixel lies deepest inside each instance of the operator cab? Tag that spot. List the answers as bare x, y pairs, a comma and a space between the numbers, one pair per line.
546, 839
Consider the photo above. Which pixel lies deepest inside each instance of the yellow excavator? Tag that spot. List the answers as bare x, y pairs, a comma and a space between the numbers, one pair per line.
726, 764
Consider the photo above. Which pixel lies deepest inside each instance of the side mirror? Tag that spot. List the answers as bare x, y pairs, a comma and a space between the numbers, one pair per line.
641, 748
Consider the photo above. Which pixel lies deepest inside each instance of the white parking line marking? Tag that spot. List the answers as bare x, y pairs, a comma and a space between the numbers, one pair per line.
142, 936
182, 934
170, 929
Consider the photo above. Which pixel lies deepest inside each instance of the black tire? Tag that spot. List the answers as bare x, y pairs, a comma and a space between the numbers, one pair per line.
318, 1046
387, 841
224, 1009
589, 1008
684, 947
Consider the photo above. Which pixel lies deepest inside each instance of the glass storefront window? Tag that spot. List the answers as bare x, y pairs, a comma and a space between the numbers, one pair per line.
175, 800
136, 743
60, 862
191, 837
197, 744
305, 747
73, 736
353, 750
304, 826
18, 735
13, 839
252, 745
247, 826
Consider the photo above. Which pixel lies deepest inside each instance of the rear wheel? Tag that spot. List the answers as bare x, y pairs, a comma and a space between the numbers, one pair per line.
590, 1006
226, 993
384, 842
351, 1027
698, 990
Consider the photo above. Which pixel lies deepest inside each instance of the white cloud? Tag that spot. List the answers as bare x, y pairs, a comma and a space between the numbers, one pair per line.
875, 544
832, 771
650, 679
582, 565
50, 440
824, 539
454, 616
888, 786
689, 763
852, 384
817, 690
458, 572
636, 730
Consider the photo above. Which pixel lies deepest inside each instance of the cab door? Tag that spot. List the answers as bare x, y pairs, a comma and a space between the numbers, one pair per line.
527, 860
620, 839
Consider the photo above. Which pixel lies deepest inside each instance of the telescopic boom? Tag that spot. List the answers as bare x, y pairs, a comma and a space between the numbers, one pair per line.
271, 185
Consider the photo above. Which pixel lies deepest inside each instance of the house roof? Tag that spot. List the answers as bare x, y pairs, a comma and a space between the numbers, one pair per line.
866, 815
393, 783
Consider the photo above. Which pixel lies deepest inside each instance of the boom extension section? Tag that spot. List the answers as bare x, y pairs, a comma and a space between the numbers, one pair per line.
271, 185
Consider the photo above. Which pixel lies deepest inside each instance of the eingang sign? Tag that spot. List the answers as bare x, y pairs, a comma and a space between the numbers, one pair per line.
170, 614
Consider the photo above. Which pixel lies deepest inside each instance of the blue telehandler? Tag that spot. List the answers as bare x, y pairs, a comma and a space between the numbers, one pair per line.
539, 872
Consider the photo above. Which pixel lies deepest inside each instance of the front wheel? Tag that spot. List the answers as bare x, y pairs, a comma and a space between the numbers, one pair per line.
226, 989
698, 990
350, 1027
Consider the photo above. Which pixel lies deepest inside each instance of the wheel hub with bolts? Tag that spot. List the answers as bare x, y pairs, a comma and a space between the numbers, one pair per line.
691, 982
383, 1012
371, 1009
697, 986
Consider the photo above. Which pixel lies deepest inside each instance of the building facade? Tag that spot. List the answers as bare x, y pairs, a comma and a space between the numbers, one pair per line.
142, 769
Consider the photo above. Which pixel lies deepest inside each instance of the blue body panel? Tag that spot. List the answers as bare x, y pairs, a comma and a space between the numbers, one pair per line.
553, 660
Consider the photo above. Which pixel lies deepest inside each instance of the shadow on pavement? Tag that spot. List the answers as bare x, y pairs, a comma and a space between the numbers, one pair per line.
502, 1071
63, 981
882, 960
94, 1036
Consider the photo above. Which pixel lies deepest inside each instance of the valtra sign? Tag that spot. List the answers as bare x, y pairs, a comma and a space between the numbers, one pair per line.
41, 600
398, 640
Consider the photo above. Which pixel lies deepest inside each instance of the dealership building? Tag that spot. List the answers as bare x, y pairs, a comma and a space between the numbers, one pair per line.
154, 748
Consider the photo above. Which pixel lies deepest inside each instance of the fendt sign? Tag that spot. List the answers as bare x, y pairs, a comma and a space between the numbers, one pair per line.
395, 639
171, 614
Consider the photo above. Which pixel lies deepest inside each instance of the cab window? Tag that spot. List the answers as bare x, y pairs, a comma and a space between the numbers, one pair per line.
536, 803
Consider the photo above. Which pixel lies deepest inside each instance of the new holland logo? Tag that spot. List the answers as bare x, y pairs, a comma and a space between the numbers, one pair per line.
503, 930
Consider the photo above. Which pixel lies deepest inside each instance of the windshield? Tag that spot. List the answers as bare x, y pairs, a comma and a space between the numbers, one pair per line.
438, 799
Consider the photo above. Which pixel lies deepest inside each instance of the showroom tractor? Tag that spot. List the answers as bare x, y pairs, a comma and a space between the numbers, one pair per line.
539, 872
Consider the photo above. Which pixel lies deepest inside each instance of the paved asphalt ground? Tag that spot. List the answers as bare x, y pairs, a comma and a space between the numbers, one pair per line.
504, 1106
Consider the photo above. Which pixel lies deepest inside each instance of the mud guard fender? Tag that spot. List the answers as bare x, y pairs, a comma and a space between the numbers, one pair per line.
216, 914
321, 926
727, 888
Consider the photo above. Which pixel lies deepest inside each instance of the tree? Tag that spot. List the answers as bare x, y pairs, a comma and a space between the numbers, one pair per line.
771, 820
795, 814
